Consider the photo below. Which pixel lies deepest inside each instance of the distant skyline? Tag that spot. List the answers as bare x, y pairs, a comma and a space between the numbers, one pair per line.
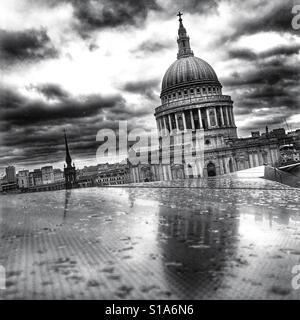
85, 65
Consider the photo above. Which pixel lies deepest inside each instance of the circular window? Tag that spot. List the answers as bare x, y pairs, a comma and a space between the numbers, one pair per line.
207, 141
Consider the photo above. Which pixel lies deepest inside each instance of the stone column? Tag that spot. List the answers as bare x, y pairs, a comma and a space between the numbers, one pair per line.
192, 119
170, 173
216, 118
222, 117
273, 156
232, 117
161, 123
158, 125
170, 123
208, 119
164, 118
261, 158
269, 156
234, 164
183, 120
177, 127
221, 165
200, 118
224, 165
165, 123
227, 115
251, 160
254, 159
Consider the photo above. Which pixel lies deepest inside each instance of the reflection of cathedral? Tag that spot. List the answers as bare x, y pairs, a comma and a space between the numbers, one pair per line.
192, 99
200, 246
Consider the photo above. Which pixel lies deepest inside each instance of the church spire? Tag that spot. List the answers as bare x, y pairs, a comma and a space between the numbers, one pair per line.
183, 40
68, 157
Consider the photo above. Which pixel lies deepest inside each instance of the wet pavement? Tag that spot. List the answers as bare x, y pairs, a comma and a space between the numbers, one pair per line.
230, 237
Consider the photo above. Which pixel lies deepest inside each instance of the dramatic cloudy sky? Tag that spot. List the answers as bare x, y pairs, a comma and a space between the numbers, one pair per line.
85, 65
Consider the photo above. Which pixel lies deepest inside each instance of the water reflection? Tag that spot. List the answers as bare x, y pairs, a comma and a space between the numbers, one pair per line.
192, 242
131, 197
196, 246
258, 224
67, 199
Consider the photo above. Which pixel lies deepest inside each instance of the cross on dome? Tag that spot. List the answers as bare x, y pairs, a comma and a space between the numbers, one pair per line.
179, 14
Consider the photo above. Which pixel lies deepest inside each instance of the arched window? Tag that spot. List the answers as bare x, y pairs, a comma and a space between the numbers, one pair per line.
173, 121
180, 122
211, 169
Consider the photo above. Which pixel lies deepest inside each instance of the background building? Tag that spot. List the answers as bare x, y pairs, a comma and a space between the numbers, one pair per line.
11, 174
58, 175
23, 179
37, 176
116, 174
47, 174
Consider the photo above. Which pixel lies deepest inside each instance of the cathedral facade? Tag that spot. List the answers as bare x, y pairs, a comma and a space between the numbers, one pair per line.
191, 100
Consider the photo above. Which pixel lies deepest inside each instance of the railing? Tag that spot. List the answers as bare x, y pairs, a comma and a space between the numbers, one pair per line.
186, 101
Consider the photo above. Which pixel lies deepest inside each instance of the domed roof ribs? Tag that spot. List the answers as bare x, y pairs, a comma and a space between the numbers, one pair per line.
183, 40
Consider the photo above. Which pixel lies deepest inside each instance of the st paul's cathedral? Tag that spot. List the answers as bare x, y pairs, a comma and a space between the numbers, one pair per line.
192, 99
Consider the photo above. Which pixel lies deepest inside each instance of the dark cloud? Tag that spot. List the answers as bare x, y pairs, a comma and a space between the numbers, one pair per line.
143, 87
93, 47
19, 110
285, 50
111, 13
248, 54
242, 54
32, 129
276, 18
266, 90
152, 46
270, 16
91, 15
50, 91
274, 71
25, 46
271, 81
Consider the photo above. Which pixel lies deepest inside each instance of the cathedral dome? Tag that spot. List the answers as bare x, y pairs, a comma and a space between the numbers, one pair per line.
188, 69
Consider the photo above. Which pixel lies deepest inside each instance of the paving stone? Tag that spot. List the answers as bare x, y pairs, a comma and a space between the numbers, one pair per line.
195, 239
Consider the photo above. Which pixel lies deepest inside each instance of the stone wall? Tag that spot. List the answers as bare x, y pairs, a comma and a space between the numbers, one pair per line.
216, 162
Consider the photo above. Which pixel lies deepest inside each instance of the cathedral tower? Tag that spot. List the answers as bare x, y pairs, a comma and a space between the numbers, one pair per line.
69, 170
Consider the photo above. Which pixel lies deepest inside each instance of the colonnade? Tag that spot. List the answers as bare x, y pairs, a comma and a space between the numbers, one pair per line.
198, 118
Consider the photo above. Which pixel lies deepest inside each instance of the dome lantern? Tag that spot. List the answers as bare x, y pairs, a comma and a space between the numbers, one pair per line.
183, 40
